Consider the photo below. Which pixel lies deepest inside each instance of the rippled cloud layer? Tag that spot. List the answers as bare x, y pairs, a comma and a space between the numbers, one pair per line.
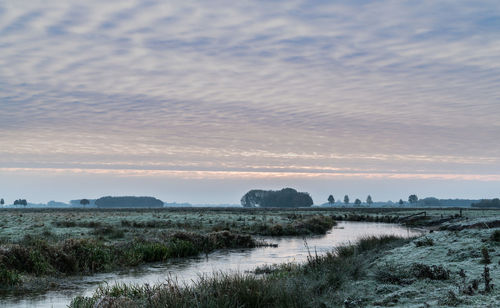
357, 88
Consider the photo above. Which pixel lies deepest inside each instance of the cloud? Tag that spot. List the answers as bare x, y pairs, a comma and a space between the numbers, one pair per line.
296, 83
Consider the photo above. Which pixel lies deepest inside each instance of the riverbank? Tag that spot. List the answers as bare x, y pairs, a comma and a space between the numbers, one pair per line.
443, 268
40, 248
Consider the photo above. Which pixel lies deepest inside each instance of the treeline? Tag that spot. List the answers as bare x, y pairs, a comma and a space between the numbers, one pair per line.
128, 201
287, 197
488, 203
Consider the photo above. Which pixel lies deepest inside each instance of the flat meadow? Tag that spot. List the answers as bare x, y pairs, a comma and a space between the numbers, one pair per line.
458, 258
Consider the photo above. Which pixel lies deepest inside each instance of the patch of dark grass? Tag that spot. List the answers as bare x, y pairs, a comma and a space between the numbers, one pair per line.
393, 275
486, 255
451, 299
80, 224
8, 278
108, 231
426, 241
434, 272
495, 236
317, 224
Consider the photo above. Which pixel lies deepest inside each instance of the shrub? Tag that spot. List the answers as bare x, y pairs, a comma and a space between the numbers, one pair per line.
8, 278
433, 272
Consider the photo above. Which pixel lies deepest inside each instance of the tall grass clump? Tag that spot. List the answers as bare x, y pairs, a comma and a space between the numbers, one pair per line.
220, 290
317, 224
8, 278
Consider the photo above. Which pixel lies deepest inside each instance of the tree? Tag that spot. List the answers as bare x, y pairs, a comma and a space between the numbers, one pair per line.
2, 202
346, 199
413, 199
369, 200
21, 202
84, 202
287, 197
357, 202
331, 200
401, 202
128, 201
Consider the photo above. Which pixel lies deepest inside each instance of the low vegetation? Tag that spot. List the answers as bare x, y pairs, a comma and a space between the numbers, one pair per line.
38, 257
313, 284
455, 266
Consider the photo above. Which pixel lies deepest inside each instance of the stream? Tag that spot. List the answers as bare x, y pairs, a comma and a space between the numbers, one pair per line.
187, 270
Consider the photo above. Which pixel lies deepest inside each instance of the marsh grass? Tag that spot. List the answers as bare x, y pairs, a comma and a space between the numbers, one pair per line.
317, 224
8, 278
312, 284
39, 257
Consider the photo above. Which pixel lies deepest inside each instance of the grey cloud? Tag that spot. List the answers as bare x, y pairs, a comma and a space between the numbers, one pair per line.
284, 77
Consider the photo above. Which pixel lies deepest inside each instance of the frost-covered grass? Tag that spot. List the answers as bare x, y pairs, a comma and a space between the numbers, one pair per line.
140, 236
442, 268
119, 224
458, 252
53, 243
124, 225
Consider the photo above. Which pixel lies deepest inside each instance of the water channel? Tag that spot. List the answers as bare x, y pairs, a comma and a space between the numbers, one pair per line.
187, 270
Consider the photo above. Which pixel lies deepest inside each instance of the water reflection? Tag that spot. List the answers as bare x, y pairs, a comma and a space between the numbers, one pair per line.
187, 270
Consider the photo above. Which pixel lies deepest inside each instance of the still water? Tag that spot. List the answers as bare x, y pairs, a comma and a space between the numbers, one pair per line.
187, 270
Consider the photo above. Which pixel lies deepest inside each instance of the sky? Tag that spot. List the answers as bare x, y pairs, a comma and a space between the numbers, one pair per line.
201, 101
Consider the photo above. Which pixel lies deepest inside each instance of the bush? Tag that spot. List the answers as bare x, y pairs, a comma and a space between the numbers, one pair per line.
433, 272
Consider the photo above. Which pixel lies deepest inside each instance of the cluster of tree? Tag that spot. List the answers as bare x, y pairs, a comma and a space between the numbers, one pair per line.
2, 202
127, 201
21, 202
488, 203
435, 202
357, 202
287, 197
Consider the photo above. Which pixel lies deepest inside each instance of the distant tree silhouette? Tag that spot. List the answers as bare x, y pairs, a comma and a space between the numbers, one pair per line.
128, 201
346, 199
84, 202
485, 203
2, 202
357, 202
369, 200
287, 197
401, 202
331, 200
21, 202
413, 199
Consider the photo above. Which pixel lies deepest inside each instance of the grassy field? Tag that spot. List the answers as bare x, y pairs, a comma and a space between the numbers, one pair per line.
39, 247
443, 269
